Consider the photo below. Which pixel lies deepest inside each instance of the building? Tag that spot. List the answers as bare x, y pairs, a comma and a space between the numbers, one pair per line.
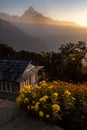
17, 73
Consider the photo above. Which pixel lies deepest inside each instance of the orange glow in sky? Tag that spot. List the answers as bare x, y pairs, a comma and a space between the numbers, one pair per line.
67, 10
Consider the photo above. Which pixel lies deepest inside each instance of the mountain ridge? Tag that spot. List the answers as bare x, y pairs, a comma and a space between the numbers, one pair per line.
51, 34
33, 16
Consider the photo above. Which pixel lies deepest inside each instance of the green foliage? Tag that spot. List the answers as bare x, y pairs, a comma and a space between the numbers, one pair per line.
6, 51
65, 65
72, 55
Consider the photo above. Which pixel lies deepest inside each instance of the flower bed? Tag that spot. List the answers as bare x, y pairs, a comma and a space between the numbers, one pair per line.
56, 102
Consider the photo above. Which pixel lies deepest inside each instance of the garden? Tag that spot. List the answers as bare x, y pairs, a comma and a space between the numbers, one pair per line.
57, 102
60, 103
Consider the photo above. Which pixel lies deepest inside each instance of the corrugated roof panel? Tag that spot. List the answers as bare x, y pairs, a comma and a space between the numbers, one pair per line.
12, 70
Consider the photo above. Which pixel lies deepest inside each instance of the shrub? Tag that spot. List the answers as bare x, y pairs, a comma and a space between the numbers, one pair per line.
56, 102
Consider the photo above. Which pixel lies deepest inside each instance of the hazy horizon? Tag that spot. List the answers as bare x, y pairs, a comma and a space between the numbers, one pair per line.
66, 10
36, 27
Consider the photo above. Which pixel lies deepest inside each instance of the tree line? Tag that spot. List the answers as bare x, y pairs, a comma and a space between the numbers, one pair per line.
68, 64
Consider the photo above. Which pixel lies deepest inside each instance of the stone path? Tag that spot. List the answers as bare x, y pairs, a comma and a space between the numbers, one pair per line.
10, 119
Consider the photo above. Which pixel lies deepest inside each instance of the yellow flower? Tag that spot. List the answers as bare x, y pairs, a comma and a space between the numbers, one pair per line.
47, 116
43, 83
67, 93
25, 89
56, 107
37, 87
41, 114
32, 107
55, 94
55, 82
51, 86
26, 100
18, 100
73, 98
28, 107
43, 99
22, 96
36, 107
21, 90
33, 94
37, 103
33, 102
46, 97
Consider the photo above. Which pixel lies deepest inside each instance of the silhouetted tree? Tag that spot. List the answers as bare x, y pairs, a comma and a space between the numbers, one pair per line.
72, 55
66, 64
6, 51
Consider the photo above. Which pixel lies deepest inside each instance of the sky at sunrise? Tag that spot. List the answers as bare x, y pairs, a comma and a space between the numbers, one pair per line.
68, 10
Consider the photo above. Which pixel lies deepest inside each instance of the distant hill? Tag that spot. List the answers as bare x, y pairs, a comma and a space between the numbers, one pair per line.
13, 36
9, 18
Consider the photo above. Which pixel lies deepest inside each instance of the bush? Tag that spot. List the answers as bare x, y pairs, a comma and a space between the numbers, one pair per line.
56, 102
